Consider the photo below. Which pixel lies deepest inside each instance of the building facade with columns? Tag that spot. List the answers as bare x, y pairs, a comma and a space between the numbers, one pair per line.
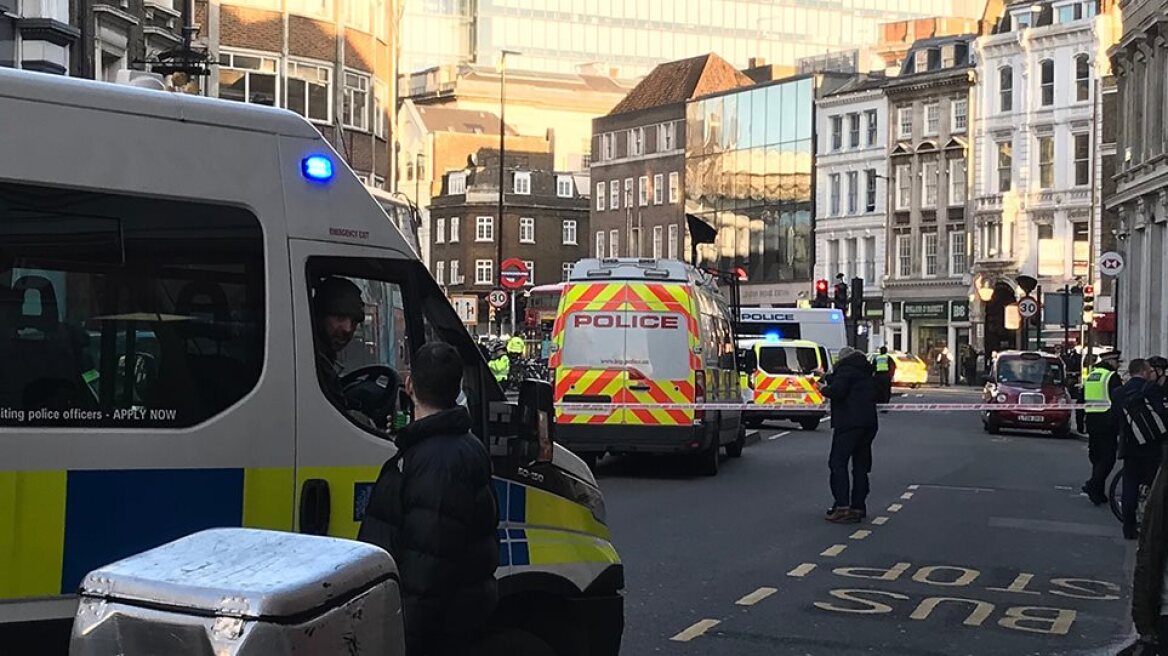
1141, 196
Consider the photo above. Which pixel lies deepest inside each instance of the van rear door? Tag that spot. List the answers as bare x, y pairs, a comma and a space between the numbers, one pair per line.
590, 353
660, 335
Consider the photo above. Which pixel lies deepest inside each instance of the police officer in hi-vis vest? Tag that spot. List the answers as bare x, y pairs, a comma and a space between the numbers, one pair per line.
885, 366
1102, 424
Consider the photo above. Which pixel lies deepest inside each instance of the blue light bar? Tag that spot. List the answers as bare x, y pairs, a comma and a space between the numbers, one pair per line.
317, 168
836, 317
774, 336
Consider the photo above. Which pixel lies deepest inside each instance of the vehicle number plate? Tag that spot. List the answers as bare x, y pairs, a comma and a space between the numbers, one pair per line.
1031, 418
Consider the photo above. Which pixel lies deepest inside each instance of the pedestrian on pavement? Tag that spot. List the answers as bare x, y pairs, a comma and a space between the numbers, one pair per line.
433, 509
852, 390
1102, 425
1143, 421
1150, 581
885, 366
943, 365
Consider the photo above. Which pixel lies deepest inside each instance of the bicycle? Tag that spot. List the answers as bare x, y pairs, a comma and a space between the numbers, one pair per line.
1115, 497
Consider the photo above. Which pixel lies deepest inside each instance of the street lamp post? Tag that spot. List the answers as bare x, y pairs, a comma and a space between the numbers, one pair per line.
502, 173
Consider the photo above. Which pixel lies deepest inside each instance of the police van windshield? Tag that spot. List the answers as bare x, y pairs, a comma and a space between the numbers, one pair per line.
652, 343
788, 360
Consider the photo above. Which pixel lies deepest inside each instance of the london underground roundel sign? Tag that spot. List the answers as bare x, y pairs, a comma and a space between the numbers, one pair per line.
513, 274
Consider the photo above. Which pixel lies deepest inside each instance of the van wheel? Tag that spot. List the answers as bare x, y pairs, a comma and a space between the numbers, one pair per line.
734, 449
809, 424
708, 460
514, 642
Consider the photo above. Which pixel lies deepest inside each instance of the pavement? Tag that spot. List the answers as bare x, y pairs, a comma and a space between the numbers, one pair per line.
975, 544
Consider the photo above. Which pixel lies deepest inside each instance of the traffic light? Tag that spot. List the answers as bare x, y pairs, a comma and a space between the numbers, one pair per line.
840, 296
857, 300
821, 299
1088, 304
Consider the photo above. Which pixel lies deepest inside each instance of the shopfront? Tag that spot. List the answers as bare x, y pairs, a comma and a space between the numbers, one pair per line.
938, 332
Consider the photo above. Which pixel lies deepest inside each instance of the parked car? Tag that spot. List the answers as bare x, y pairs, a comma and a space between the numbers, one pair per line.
1027, 378
911, 371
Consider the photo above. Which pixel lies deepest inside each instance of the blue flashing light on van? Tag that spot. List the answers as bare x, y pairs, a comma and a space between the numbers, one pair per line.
317, 168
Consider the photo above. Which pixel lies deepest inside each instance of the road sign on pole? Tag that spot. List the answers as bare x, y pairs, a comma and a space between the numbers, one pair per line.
497, 299
1111, 263
513, 274
1028, 306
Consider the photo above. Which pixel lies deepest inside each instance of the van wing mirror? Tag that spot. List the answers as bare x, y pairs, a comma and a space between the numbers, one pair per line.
534, 416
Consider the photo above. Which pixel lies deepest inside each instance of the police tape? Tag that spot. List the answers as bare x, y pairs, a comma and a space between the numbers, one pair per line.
595, 408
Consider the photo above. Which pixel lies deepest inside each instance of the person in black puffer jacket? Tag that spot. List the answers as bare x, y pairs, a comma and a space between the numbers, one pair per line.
852, 390
433, 508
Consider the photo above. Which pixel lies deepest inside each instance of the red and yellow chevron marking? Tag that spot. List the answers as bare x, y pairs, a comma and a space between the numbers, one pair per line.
591, 382
786, 390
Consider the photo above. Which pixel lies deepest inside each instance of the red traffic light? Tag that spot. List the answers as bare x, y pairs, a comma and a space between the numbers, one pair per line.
820, 286
741, 274
1089, 290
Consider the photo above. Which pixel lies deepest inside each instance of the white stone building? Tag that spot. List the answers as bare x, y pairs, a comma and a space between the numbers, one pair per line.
1037, 151
851, 181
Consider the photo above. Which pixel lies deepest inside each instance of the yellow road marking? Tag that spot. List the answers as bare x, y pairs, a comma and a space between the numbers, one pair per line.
834, 550
895, 507
880, 521
756, 596
698, 629
802, 570
860, 535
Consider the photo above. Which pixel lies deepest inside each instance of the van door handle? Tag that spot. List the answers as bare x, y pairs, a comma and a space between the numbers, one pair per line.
640, 388
314, 507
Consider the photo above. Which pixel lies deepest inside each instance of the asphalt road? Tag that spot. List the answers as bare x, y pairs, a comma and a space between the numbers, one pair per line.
974, 544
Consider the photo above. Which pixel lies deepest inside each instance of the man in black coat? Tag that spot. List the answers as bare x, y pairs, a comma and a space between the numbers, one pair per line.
1143, 418
433, 509
852, 390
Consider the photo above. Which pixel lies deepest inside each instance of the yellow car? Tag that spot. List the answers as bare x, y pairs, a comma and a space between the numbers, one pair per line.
911, 371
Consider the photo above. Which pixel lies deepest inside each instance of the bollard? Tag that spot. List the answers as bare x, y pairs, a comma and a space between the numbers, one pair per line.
243, 592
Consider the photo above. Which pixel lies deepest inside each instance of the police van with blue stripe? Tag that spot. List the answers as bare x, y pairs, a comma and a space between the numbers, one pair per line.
160, 359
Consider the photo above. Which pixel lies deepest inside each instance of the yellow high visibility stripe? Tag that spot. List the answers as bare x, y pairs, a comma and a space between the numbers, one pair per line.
32, 533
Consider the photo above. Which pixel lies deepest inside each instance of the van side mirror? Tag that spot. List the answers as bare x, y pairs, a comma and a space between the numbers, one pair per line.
534, 416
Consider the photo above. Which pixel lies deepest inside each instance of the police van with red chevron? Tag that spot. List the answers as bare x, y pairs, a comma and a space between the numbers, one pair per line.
637, 342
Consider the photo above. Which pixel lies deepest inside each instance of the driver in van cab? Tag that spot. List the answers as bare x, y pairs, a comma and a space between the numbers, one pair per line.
338, 309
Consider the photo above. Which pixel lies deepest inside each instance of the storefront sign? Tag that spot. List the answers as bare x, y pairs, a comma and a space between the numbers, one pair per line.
874, 309
959, 311
916, 310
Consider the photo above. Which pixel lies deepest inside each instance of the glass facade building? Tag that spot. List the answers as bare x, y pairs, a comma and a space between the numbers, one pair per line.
560, 35
749, 168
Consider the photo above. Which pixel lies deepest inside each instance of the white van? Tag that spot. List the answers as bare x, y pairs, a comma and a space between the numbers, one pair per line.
159, 358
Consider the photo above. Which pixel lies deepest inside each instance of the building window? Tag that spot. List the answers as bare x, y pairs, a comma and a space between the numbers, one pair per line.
310, 90
834, 191
439, 231
568, 232
1082, 78
853, 191
929, 253
614, 195
1082, 160
355, 101
870, 259
456, 184
932, 118
628, 192
957, 259
440, 272
960, 114
833, 258
526, 230
658, 189
903, 187
599, 243
1006, 89
1080, 248
564, 186
854, 130
599, 196
672, 246
523, 183
991, 239
1046, 162
674, 187
485, 228
608, 145
380, 20
380, 102
903, 256
657, 239
634, 248
454, 277
643, 190
636, 142
1050, 253
837, 132
247, 78
614, 243
956, 182
666, 137
530, 273
904, 121
454, 226
1047, 67
929, 184
565, 271
1005, 166
318, 8
872, 126
483, 272
870, 190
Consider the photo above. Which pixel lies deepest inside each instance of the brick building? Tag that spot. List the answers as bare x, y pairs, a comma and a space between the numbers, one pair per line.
545, 223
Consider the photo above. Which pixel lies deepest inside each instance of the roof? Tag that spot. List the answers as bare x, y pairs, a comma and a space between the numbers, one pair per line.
858, 84
438, 118
763, 341
136, 101
679, 81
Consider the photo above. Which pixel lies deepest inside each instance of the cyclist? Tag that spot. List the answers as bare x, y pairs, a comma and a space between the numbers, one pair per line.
500, 365
1102, 424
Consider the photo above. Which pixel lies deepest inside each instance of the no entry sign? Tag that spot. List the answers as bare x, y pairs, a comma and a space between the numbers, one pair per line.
513, 274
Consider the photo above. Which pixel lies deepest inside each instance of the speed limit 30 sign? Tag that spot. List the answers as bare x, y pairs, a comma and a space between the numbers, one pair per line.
1028, 306
497, 299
